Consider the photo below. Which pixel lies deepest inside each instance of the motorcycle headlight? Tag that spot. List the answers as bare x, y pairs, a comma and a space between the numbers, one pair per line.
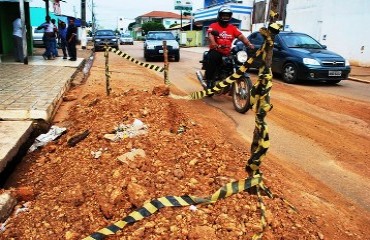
242, 56
310, 61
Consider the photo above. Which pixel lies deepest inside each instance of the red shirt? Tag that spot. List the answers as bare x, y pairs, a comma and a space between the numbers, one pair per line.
226, 37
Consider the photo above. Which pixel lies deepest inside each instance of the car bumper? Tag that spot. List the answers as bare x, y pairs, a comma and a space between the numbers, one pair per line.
38, 43
159, 52
313, 73
101, 45
126, 42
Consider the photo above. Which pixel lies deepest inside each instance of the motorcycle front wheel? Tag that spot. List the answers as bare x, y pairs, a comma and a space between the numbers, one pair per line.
241, 93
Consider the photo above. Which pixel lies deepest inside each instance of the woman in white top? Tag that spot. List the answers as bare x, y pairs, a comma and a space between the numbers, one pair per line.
18, 43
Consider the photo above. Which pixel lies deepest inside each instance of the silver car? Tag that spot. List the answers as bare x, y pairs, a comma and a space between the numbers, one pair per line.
126, 39
37, 37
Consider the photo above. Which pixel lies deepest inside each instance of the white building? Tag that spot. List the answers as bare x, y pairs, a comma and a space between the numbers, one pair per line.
341, 25
122, 24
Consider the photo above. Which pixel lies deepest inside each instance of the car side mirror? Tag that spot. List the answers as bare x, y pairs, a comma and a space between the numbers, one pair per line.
324, 46
276, 45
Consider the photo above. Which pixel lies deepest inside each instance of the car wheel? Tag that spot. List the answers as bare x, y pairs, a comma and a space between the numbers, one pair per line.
290, 73
177, 57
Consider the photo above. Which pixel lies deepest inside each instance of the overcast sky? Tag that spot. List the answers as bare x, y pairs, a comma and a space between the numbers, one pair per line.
108, 11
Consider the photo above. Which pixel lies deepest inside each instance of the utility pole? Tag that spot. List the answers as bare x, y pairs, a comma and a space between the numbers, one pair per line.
24, 31
83, 24
92, 17
47, 7
181, 20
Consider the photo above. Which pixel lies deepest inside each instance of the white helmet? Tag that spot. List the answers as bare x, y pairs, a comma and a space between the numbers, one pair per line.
224, 10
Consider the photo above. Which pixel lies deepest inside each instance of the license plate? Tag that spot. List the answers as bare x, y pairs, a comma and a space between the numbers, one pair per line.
160, 51
335, 73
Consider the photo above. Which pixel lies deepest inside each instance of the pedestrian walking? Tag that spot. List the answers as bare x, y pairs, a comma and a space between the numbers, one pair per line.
63, 38
48, 37
18, 40
54, 45
72, 40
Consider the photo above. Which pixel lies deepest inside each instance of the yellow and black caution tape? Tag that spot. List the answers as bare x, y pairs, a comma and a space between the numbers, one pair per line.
153, 206
128, 57
228, 81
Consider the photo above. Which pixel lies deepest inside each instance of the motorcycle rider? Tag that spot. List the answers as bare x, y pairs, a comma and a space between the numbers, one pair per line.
220, 45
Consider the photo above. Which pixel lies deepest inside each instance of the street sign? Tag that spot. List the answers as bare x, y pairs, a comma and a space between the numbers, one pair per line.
183, 5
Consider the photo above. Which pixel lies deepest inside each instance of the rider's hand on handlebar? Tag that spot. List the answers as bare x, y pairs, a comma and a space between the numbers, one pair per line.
251, 46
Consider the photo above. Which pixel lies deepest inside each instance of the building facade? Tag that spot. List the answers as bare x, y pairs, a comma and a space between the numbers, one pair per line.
242, 12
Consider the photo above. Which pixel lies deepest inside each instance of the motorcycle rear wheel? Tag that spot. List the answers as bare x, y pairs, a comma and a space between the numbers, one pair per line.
241, 93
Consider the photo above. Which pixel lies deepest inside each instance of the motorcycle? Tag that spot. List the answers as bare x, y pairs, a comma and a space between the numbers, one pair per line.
240, 88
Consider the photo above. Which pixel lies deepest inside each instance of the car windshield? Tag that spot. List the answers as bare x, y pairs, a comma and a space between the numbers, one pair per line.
300, 41
160, 36
104, 33
126, 35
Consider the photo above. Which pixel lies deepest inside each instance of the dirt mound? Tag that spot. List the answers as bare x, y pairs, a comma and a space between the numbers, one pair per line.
185, 148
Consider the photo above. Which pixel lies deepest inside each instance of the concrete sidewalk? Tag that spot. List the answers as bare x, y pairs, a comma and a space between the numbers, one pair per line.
29, 92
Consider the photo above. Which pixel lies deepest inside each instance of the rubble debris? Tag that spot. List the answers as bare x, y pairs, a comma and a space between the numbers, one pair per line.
51, 135
77, 138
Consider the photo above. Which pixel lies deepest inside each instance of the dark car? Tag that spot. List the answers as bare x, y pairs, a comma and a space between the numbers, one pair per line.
153, 45
104, 38
298, 56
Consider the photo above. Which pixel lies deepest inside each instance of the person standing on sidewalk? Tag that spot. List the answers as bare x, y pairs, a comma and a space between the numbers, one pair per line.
72, 40
18, 41
63, 38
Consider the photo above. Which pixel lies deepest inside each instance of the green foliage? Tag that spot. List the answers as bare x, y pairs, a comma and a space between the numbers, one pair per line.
131, 26
152, 26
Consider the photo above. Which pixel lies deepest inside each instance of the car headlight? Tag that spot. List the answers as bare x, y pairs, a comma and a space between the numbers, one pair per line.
97, 40
242, 56
347, 63
114, 40
175, 47
150, 47
310, 61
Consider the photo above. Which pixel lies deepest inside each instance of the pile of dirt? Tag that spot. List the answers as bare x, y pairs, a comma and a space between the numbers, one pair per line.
183, 148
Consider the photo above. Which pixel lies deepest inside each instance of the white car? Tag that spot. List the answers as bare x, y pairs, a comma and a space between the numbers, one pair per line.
126, 38
37, 37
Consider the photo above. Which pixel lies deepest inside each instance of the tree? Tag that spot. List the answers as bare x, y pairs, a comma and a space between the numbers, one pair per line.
131, 25
152, 26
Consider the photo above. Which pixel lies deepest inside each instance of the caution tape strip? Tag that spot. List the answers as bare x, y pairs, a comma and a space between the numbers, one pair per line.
128, 57
260, 100
174, 201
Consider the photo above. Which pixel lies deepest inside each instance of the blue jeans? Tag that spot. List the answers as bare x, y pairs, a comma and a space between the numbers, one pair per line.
63, 45
54, 49
48, 47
